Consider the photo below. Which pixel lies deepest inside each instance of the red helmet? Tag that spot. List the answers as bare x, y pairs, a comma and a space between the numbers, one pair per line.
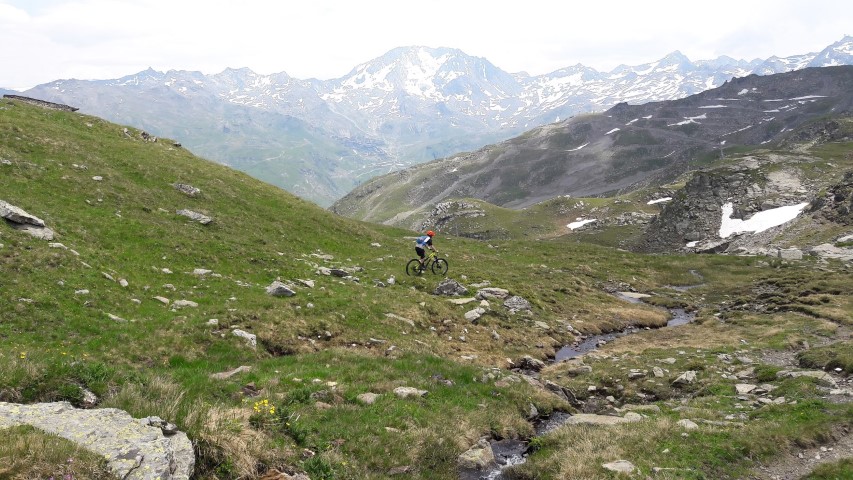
430, 233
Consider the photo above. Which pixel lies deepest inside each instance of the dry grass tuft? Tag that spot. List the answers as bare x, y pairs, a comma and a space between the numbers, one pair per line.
641, 317
27, 453
227, 434
586, 448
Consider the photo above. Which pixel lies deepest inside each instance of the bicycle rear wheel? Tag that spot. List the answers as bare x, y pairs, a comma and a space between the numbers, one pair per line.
439, 266
413, 268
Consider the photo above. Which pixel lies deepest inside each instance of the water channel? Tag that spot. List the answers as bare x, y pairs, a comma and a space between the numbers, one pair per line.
510, 452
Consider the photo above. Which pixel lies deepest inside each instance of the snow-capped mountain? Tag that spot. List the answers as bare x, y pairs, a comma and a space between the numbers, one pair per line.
319, 139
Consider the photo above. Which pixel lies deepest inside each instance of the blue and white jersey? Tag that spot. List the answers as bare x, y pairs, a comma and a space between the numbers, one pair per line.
423, 241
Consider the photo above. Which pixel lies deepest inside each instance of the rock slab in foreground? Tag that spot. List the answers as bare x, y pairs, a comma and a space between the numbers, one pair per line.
21, 220
18, 215
134, 449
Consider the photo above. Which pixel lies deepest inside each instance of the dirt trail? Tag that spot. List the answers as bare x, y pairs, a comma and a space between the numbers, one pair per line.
800, 462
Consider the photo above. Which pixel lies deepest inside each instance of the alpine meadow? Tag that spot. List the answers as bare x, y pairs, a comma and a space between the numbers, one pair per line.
680, 315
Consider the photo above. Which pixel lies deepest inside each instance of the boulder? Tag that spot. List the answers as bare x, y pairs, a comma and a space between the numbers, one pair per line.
186, 189
278, 289
475, 314
368, 398
516, 304
687, 424
41, 233
478, 457
251, 338
198, 217
18, 215
826, 250
620, 466
450, 287
685, 378
406, 392
184, 303
744, 388
529, 363
492, 293
789, 253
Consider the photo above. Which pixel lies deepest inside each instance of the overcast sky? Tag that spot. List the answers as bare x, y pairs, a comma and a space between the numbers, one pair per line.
46, 40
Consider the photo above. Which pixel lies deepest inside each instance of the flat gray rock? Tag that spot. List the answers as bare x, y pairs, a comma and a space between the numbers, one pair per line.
18, 215
134, 449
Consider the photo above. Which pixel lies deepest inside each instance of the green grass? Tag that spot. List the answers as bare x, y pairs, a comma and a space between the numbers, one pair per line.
837, 356
835, 471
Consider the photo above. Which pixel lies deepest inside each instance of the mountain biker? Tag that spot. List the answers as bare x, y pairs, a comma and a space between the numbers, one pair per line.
422, 242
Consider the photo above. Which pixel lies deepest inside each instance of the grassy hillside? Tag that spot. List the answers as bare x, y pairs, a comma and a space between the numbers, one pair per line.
67, 324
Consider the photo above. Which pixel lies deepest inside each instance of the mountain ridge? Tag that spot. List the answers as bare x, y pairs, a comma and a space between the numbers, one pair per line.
622, 149
412, 104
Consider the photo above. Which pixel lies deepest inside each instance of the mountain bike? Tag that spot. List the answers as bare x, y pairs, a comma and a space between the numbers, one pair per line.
432, 262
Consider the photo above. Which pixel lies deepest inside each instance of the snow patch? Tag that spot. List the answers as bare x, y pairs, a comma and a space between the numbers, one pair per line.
743, 92
659, 200
688, 120
714, 106
807, 97
612, 131
576, 149
759, 222
579, 223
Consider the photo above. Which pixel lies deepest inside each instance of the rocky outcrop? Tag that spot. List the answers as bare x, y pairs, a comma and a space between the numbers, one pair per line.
450, 287
135, 449
837, 204
446, 212
186, 189
692, 220
817, 133
278, 289
42, 103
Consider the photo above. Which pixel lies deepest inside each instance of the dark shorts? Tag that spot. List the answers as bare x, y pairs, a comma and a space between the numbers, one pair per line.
419, 251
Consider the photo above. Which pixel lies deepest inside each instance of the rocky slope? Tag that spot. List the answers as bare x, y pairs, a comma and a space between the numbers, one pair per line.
623, 149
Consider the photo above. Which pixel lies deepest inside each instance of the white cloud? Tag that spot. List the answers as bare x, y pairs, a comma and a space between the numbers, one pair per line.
326, 38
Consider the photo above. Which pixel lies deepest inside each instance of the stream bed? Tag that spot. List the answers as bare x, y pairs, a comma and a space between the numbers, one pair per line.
510, 452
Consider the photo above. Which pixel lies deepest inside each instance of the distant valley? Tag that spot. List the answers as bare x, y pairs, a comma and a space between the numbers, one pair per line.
320, 139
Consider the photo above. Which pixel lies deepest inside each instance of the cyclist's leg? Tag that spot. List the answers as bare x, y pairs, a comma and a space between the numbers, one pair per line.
420, 252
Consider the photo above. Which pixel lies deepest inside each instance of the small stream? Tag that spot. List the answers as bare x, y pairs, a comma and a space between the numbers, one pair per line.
514, 452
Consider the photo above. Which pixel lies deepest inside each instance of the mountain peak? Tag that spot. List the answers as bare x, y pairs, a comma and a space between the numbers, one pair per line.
675, 57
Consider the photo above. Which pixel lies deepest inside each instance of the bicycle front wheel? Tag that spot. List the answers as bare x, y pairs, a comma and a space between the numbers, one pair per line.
413, 268
439, 267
